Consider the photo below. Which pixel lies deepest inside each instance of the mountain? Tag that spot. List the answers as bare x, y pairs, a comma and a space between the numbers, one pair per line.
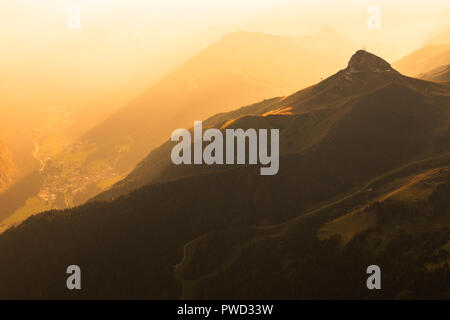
424, 59
441, 73
316, 110
241, 68
8, 170
364, 179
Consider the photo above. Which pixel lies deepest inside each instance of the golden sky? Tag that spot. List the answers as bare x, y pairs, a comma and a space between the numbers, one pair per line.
123, 46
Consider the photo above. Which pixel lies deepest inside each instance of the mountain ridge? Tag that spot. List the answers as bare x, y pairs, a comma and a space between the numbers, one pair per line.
441, 73
424, 59
328, 99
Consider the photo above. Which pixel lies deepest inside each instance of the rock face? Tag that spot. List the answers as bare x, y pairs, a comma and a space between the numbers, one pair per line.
363, 61
8, 170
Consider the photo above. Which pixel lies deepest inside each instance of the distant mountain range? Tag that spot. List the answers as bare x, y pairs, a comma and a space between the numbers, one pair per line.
364, 179
424, 59
429, 62
441, 73
241, 68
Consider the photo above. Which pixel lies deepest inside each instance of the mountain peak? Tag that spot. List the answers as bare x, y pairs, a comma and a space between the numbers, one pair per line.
363, 61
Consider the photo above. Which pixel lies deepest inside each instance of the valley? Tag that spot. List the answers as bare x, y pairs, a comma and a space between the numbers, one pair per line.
65, 179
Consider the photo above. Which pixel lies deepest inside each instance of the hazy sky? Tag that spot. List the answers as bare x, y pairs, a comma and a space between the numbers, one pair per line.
123, 46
